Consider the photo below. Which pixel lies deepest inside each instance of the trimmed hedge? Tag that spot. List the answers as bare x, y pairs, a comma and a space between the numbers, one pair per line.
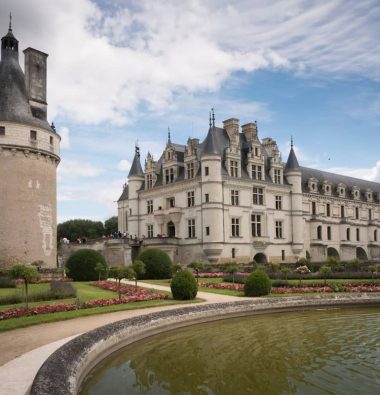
257, 284
158, 265
184, 286
81, 265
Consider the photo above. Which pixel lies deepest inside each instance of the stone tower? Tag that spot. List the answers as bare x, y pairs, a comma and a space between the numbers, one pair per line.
29, 155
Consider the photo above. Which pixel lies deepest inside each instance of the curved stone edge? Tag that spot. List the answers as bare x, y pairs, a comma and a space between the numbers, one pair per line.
64, 371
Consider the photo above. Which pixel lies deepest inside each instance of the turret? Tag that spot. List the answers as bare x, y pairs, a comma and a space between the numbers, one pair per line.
135, 181
293, 176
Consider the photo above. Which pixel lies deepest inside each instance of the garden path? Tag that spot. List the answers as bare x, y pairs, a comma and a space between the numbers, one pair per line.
23, 351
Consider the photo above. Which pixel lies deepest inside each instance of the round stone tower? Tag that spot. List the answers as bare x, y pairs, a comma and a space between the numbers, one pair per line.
29, 155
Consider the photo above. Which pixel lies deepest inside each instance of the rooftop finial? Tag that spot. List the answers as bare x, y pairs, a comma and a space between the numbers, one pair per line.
137, 149
209, 120
169, 139
213, 117
291, 142
10, 21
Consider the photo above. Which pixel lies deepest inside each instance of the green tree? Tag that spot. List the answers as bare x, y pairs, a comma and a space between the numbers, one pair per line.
111, 225
326, 271
184, 286
25, 273
197, 267
139, 269
158, 264
232, 268
78, 228
100, 269
374, 269
119, 273
285, 270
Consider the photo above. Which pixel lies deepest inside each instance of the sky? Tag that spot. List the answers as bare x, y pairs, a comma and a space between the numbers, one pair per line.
121, 72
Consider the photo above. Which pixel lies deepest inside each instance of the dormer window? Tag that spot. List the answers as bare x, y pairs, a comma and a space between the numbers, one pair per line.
341, 189
190, 170
149, 181
257, 172
169, 176
313, 185
234, 168
327, 188
369, 195
277, 176
356, 193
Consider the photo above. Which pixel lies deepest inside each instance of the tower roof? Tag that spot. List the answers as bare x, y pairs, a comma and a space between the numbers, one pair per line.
14, 101
292, 163
136, 169
211, 144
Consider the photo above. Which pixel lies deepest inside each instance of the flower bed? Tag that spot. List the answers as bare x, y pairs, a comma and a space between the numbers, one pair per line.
132, 295
298, 289
221, 274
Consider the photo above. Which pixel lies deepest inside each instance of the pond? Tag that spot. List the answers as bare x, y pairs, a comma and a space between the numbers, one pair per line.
310, 352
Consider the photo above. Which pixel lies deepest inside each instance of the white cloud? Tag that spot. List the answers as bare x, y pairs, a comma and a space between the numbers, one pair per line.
72, 169
370, 173
104, 65
124, 165
65, 137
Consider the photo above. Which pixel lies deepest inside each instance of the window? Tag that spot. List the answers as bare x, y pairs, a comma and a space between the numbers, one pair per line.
234, 166
342, 211
150, 181
258, 196
171, 202
356, 212
282, 255
278, 202
277, 176
370, 214
207, 231
2, 130
33, 135
357, 234
191, 228
51, 140
328, 210
126, 221
234, 197
348, 234
190, 170
233, 252
190, 199
207, 197
150, 231
329, 233
375, 235
169, 175
256, 151
130, 211
149, 206
206, 171
235, 222
257, 172
313, 208
256, 225
278, 229
319, 232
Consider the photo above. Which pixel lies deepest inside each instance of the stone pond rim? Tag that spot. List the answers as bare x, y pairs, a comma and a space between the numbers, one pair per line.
64, 371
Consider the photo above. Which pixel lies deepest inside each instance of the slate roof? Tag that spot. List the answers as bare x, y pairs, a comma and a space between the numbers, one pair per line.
136, 169
125, 194
292, 163
335, 179
14, 103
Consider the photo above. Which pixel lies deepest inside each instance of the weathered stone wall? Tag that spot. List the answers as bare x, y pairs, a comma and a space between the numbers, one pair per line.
28, 196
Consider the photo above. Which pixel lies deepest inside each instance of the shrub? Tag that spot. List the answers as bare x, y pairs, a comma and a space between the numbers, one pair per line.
326, 271
184, 286
353, 265
6, 282
257, 284
158, 265
81, 265
61, 290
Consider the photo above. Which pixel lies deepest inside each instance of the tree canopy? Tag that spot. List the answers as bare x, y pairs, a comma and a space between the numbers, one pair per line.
80, 228
111, 225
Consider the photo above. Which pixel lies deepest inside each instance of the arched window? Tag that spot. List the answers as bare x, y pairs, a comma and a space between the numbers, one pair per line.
319, 232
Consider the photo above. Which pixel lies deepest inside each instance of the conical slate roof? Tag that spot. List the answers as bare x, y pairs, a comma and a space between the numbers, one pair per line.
212, 144
136, 169
292, 163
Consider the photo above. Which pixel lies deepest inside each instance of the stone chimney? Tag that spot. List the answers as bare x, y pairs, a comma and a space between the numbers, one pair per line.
250, 131
232, 127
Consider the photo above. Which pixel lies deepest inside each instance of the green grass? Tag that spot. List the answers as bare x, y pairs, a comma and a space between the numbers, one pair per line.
85, 292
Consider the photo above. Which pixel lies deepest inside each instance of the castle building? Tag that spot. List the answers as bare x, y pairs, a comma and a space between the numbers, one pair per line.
232, 198
29, 155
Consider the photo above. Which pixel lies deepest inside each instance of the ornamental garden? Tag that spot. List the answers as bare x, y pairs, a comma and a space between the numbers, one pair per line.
32, 295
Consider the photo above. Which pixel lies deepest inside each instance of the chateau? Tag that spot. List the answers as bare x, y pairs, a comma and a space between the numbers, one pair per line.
232, 198
29, 155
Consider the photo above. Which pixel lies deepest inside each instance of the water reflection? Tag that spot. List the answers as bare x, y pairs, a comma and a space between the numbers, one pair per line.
325, 352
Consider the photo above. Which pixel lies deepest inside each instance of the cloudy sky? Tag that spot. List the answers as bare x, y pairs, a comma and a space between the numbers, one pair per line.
123, 71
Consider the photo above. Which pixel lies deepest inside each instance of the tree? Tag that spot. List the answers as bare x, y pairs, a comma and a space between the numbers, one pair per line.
100, 269
232, 269
374, 269
119, 272
325, 270
77, 228
111, 225
139, 269
285, 270
26, 273
302, 270
81, 265
197, 267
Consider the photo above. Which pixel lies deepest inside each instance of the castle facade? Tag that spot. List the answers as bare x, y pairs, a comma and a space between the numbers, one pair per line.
232, 198
29, 155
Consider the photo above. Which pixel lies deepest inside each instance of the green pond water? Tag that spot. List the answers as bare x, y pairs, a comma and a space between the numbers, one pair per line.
313, 352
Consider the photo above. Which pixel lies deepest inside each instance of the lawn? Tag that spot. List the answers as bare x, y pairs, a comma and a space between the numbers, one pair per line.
85, 292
